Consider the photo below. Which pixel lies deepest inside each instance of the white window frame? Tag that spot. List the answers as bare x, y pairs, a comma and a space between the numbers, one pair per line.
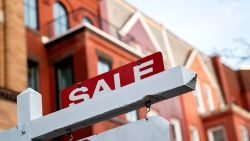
209, 97
177, 128
244, 135
199, 97
152, 112
211, 130
132, 116
194, 130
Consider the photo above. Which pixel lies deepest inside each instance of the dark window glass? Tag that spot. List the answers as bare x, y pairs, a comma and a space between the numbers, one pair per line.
86, 20
64, 77
30, 14
61, 19
219, 135
33, 75
103, 66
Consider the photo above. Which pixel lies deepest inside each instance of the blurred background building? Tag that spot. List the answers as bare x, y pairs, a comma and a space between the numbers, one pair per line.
50, 44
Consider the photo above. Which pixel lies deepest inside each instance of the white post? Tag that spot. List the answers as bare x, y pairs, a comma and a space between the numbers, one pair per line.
29, 107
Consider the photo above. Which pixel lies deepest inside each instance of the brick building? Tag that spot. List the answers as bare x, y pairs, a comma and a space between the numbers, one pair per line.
48, 45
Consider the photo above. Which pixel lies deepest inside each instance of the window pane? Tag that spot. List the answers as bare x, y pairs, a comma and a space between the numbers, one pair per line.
30, 13
33, 75
61, 20
64, 77
199, 98
244, 133
132, 116
26, 15
86, 20
33, 20
176, 130
32, 3
219, 135
194, 134
209, 97
103, 66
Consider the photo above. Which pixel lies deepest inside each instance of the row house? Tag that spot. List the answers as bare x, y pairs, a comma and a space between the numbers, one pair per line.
48, 45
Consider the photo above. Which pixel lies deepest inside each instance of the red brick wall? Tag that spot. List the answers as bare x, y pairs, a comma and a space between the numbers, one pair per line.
245, 82
37, 51
45, 10
226, 120
230, 120
190, 108
230, 83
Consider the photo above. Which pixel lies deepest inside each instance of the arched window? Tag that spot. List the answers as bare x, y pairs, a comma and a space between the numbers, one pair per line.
87, 20
60, 17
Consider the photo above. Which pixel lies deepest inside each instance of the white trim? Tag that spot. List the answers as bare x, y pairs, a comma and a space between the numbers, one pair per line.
241, 111
132, 116
152, 112
44, 39
209, 75
177, 128
211, 130
199, 96
168, 48
245, 67
209, 96
131, 22
101, 33
191, 59
244, 134
196, 133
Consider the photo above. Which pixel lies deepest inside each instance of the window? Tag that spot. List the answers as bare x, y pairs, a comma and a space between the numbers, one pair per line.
30, 13
194, 134
217, 134
61, 19
244, 133
33, 75
209, 97
176, 130
152, 112
103, 66
64, 77
132, 116
87, 20
198, 98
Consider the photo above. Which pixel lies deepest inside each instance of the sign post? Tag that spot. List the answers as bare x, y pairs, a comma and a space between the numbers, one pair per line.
32, 125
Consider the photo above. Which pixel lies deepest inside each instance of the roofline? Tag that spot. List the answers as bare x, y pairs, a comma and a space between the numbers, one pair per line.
100, 33
247, 67
134, 9
130, 24
234, 108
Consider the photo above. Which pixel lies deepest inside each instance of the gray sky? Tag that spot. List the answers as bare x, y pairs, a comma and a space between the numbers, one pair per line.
205, 24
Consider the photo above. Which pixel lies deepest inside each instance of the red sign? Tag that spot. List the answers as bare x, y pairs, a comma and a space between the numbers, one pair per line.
112, 80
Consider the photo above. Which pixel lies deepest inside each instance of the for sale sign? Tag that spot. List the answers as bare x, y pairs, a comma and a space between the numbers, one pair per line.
154, 129
112, 80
